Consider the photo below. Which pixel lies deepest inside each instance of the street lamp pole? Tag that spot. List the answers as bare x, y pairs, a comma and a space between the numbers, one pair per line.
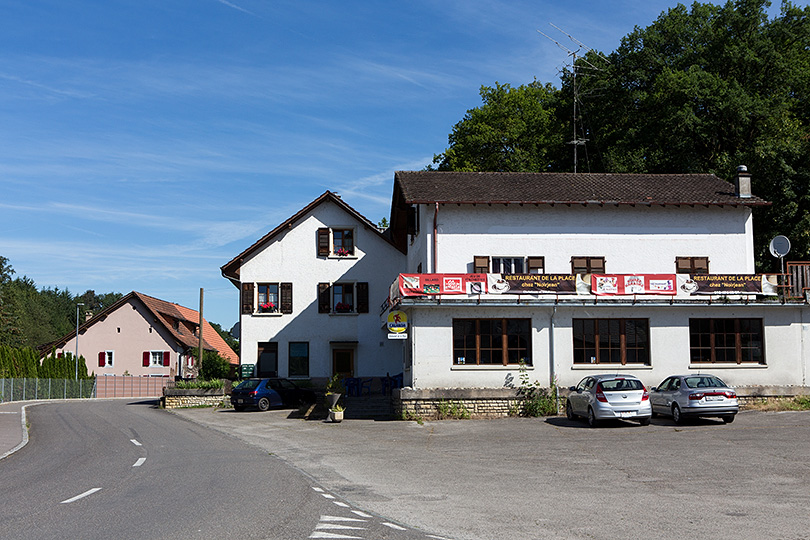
76, 358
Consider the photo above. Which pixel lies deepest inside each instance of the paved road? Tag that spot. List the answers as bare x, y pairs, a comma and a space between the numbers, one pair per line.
117, 469
550, 478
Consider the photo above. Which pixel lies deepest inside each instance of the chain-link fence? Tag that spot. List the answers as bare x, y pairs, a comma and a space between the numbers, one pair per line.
28, 389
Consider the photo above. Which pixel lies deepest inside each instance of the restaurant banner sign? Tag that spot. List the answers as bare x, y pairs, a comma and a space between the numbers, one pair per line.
427, 284
532, 283
629, 284
728, 284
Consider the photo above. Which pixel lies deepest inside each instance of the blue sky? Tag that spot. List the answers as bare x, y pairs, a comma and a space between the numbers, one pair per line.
145, 143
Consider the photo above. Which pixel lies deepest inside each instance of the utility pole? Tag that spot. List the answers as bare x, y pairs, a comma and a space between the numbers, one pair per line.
200, 349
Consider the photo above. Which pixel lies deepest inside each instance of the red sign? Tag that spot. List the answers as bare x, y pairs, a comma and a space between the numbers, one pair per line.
426, 284
628, 284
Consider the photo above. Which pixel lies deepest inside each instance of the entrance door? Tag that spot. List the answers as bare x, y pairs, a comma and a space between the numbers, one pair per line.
343, 362
267, 360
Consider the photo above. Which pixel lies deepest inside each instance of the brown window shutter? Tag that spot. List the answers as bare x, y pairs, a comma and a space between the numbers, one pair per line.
247, 298
145, 358
579, 265
597, 265
324, 300
362, 297
536, 265
166, 358
323, 242
683, 265
102, 359
701, 265
481, 264
285, 291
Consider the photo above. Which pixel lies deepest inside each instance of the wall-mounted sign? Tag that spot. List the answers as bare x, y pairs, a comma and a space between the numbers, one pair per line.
397, 322
628, 284
730, 284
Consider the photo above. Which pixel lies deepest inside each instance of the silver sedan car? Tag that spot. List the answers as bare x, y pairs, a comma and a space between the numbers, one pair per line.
603, 397
702, 395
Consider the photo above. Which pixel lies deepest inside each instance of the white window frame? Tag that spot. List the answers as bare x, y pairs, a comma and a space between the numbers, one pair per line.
108, 358
152, 356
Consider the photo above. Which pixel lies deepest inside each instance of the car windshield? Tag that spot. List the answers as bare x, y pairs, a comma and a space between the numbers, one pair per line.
618, 385
250, 384
704, 381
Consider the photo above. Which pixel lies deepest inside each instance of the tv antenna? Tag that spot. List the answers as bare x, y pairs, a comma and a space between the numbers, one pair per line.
574, 54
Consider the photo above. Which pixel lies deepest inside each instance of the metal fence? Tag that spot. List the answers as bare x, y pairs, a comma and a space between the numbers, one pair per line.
128, 386
28, 389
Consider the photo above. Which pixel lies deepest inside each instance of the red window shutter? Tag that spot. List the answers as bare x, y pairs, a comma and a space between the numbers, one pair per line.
324, 300
286, 298
145, 358
60, 355
166, 358
323, 242
102, 359
247, 298
362, 297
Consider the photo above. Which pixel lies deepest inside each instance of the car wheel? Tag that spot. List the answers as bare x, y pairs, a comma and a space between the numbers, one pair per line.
644, 421
263, 404
676, 414
728, 419
592, 420
239, 408
569, 411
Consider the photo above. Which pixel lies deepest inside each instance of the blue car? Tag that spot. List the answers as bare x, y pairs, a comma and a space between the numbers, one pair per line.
266, 393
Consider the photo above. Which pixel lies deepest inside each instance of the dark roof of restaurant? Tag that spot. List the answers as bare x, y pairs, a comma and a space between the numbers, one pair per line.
568, 188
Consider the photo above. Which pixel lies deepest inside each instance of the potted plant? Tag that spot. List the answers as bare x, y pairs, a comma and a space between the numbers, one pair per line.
334, 389
336, 413
343, 307
269, 307
342, 252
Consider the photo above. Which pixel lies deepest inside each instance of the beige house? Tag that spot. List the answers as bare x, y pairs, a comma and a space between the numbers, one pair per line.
142, 336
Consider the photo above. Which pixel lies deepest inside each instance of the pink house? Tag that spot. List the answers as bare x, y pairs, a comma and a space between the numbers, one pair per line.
143, 336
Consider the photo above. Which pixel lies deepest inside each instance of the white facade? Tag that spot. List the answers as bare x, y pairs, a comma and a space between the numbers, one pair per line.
290, 256
632, 238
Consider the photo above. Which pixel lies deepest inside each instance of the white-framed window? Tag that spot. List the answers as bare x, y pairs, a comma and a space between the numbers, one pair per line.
108, 358
336, 242
508, 264
267, 297
156, 358
343, 297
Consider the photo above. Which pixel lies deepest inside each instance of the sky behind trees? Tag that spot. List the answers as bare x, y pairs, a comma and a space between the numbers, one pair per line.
143, 144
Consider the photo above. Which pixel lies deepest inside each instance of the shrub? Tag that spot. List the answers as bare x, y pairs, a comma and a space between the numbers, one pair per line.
537, 401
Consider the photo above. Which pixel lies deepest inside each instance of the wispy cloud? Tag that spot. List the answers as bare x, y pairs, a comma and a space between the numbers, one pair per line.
234, 6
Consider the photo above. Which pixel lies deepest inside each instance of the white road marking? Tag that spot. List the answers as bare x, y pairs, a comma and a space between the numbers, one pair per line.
319, 490
437, 537
135, 442
342, 504
83, 495
323, 534
139, 462
339, 518
397, 527
361, 514
9, 412
321, 526
327, 496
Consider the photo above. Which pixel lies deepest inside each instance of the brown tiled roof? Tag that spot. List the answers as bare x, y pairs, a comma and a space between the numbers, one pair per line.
568, 188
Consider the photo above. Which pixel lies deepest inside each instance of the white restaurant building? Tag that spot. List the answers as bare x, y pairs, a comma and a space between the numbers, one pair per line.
568, 274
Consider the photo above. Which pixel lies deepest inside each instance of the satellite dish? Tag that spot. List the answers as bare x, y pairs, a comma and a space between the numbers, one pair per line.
780, 246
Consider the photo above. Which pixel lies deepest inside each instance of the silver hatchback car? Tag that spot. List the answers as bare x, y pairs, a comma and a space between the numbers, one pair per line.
702, 395
603, 397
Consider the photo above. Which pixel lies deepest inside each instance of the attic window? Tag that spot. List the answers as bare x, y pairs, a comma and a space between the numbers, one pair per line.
336, 242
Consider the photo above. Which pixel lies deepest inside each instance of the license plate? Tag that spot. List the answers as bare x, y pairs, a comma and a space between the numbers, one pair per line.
626, 414
714, 398
238, 401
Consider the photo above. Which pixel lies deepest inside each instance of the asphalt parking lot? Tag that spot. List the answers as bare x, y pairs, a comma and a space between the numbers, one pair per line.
552, 478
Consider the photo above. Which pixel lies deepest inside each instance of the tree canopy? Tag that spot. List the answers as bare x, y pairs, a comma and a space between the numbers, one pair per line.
702, 89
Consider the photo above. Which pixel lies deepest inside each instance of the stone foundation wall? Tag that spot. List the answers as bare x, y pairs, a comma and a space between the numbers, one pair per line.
174, 398
427, 403
467, 402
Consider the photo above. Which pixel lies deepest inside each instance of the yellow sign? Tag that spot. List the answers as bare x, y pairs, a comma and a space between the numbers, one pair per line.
397, 322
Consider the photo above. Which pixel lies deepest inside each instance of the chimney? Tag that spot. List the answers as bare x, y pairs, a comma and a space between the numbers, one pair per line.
742, 182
